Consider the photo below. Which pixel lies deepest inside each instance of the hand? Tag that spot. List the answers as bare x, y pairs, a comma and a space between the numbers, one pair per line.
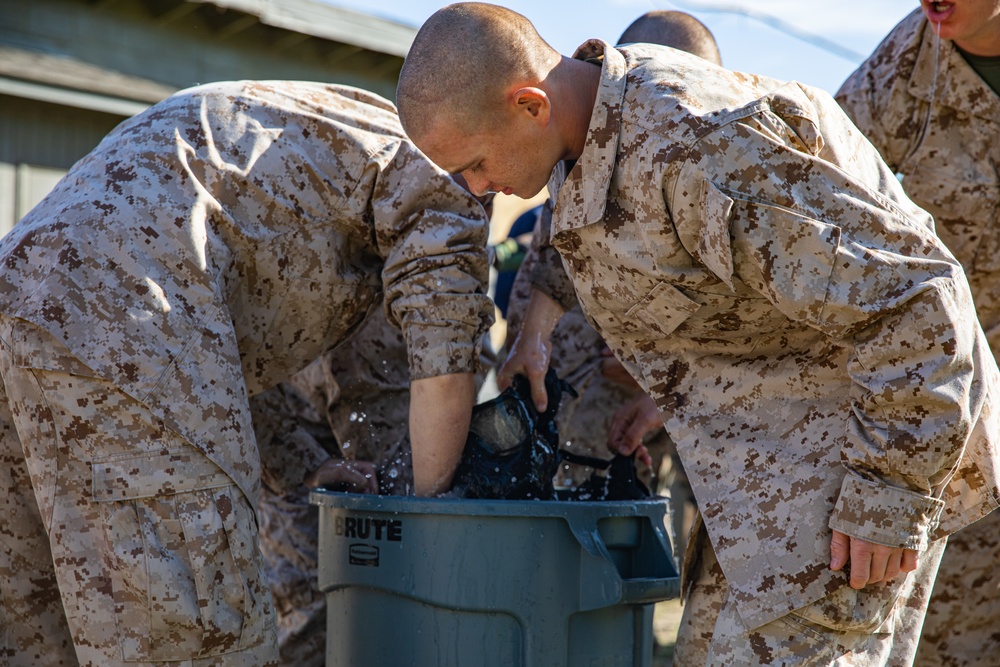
530, 353
870, 563
344, 475
631, 423
642, 454
613, 370
529, 356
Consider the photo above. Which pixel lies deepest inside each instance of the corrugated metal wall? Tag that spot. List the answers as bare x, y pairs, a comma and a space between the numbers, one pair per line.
47, 134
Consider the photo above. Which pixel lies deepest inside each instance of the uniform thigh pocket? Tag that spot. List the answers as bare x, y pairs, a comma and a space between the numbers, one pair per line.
850, 610
186, 573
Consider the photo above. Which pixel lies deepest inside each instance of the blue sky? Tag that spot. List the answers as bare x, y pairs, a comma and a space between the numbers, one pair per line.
746, 44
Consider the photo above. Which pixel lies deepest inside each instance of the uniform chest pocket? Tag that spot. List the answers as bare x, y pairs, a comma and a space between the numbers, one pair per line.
731, 315
655, 316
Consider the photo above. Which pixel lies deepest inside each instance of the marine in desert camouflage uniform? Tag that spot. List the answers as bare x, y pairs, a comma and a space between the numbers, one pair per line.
936, 121
203, 252
809, 341
579, 352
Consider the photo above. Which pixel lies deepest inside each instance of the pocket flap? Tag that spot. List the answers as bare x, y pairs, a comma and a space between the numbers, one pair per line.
155, 474
33, 346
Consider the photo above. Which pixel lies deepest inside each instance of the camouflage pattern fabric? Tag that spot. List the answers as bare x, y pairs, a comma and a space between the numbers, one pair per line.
31, 615
961, 628
714, 634
346, 396
947, 152
361, 390
810, 342
293, 440
208, 248
154, 548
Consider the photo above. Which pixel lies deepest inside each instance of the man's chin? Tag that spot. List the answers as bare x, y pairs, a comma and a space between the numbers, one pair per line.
526, 193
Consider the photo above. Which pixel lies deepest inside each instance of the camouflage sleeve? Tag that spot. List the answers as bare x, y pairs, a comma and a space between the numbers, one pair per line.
433, 236
851, 265
547, 273
291, 439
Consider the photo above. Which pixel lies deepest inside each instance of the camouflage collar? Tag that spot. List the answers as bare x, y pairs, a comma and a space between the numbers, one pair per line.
958, 85
583, 196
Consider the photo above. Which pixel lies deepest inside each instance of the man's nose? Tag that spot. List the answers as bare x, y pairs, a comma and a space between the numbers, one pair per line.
477, 185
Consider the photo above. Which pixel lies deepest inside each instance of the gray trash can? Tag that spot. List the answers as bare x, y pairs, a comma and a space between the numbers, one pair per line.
436, 582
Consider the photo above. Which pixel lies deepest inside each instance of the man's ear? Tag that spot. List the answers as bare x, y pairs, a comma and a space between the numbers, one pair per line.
535, 102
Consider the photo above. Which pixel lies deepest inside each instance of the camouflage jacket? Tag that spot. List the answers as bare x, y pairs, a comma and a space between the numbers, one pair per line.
811, 344
216, 243
947, 152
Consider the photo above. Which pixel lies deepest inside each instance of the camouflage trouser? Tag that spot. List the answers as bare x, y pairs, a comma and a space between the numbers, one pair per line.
962, 628
150, 547
712, 634
289, 539
33, 630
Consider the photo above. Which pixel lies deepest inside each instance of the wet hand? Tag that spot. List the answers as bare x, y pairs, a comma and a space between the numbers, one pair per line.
870, 563
529, 356
344, 475
631, 423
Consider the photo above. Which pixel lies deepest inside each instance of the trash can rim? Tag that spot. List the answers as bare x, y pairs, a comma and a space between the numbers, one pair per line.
479, 507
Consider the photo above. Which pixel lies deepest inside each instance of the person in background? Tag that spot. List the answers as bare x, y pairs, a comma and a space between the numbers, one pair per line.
206, 250
927, 98
677, 30
810, 342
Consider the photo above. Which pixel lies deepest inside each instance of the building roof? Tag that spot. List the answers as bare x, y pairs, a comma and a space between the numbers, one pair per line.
61, 79
326, 21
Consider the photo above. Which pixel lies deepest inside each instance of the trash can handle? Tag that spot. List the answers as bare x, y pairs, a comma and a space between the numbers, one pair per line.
650, 590
640, 590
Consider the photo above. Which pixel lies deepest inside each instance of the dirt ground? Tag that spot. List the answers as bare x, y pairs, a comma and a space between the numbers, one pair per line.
666, 619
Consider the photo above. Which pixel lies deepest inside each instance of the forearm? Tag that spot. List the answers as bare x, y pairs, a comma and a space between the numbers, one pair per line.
440, 412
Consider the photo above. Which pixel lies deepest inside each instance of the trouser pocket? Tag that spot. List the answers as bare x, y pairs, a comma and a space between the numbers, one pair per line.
186, 571
848, 610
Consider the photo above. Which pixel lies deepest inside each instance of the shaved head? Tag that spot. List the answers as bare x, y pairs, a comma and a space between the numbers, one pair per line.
674, 29
463, 61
